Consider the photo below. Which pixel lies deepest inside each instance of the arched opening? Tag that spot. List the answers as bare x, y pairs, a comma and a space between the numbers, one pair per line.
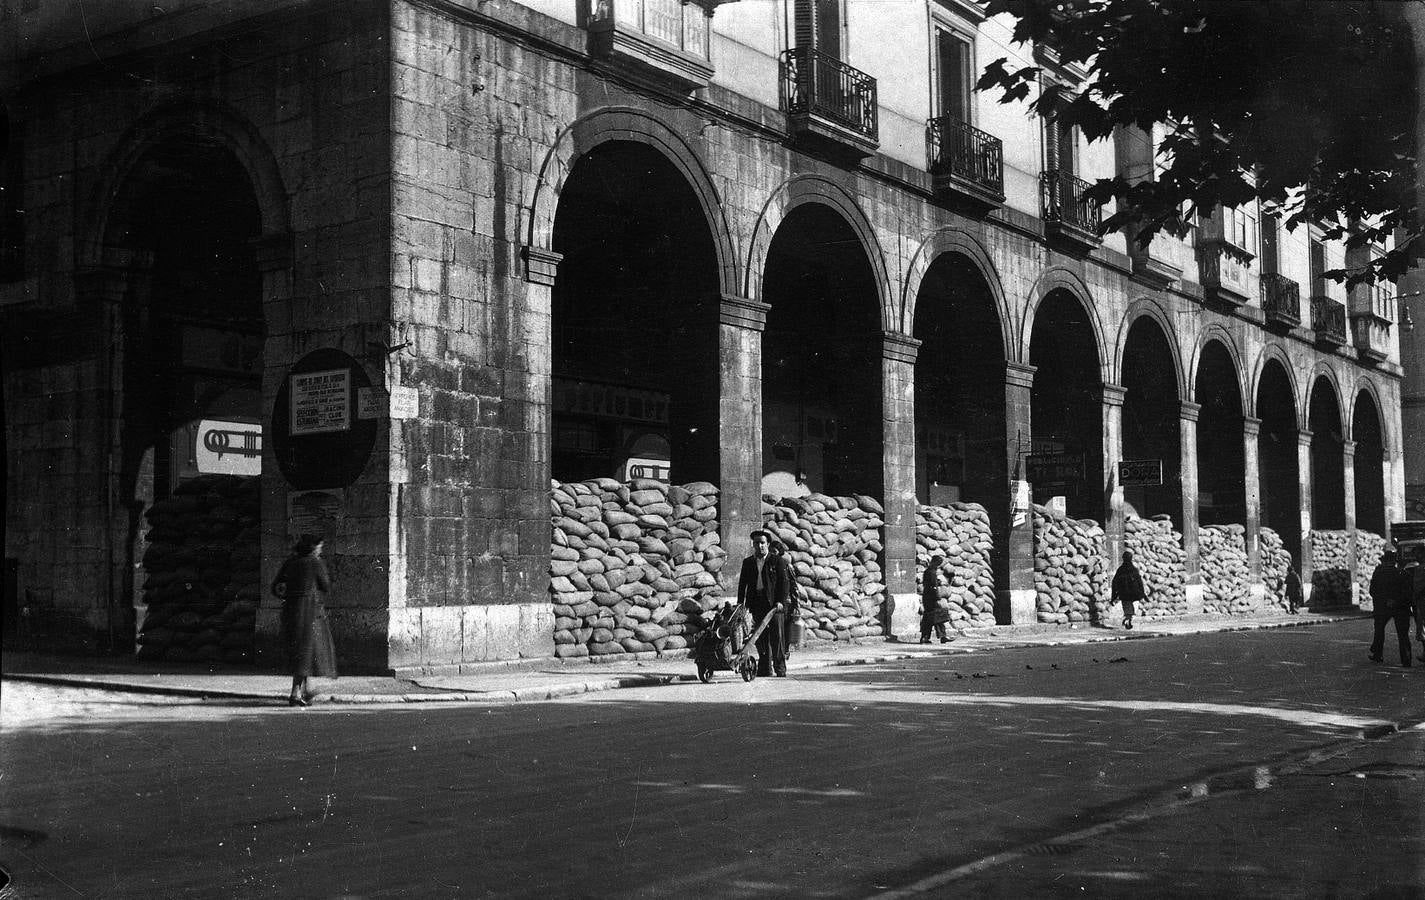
1151, 420
960, 437
1066, 405
1221, 452
634, 322
1277, 457
191, 388
1328, 461
1370, 466
821, 360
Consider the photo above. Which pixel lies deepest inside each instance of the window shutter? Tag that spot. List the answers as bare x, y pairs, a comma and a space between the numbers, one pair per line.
803, 24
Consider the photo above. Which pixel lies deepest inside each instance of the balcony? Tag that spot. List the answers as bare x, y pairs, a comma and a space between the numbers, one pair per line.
1224, 276
662, 44
1372, 309
1068, 216
1328, 320
828, 102
1281, 300
965, 162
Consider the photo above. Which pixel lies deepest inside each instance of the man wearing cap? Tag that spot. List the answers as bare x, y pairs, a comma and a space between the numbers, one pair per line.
765, 586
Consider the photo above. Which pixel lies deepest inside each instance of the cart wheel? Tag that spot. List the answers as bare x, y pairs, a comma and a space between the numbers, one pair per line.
704, 673
749, 670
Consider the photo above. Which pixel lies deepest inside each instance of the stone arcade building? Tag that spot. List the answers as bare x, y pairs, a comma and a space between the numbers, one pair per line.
430, 255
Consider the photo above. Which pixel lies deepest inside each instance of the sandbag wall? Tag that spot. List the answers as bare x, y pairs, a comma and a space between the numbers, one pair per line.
961, 534
631, 565
1369, 548
1275, 562
1226, 579
1330, 568
1069, 576
1158, 555
834, 547
202, 566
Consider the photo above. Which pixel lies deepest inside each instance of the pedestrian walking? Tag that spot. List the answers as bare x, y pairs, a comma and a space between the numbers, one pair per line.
1415, 582
764, 584
934, 612
1390, 591
795, 596
1127, 589
1293, 586
303, 585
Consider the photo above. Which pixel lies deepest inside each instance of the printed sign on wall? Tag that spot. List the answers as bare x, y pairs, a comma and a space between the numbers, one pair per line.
321, 401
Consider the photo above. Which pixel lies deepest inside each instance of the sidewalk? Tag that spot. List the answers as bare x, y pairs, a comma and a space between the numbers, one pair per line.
530, 680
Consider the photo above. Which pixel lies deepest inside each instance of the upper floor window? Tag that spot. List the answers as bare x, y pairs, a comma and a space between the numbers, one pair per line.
1060, 147
1239, 227
1317, 253
818, 25
1271, 250
954, 74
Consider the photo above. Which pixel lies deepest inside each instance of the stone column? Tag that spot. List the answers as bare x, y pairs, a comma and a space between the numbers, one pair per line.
1188, 412
1252, 471
1348, 487
1113, 491
1016, 605
1303, 488
740, 325
898, 354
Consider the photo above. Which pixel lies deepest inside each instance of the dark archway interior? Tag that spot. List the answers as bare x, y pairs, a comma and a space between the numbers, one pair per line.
1370, 466
1151, 423
1278, 459
821, 356
960, 436
1328, 461
1221, 449
194, 349
1066, 405
635, 335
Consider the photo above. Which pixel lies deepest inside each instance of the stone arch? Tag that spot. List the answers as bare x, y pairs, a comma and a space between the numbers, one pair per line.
1368, 386
1215, 333
1273, 351
1147, 307
618, 123
803, 189
1323, 371
183, 120
1059, 278
954, 240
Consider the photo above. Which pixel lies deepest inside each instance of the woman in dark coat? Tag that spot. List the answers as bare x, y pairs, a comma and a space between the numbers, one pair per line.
302, 583
932, 612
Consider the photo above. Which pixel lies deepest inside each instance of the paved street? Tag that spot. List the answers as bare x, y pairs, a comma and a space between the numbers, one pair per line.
1051, 770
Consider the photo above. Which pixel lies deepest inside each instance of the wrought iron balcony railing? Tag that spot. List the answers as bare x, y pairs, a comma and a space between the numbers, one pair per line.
820, 85
1064, 202
1281, 299
1328, 320
964, 153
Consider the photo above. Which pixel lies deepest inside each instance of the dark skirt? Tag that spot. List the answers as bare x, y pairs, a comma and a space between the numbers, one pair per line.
308, 638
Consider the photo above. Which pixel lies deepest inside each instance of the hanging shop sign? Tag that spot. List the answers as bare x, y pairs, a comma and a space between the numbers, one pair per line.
320, 401
637, 467
1060, 467
609, 401
225, 447
1140, 472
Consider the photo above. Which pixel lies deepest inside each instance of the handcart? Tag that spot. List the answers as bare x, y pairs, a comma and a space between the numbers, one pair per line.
728, 643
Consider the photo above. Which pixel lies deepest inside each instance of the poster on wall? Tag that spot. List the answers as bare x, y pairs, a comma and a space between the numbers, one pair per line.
321, 401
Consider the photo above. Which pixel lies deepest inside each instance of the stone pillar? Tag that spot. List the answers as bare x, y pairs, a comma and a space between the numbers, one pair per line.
1348, 487
1188, 412
1113, 491
740, 325
1016, 605
1303, 488
1252, 471
898, 354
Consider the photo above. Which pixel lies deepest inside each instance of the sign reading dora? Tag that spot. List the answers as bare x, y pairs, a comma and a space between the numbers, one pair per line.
1140, 471
321, 401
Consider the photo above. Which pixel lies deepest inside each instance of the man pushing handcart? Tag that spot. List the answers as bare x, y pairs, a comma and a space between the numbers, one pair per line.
731, 641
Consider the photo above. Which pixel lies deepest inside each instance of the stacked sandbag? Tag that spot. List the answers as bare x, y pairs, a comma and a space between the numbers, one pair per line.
1069, 577
1226, 578
632, 566
202, 573
1369, 549
834, 547
959, 532
1275, 563
1158, 555
1330, 568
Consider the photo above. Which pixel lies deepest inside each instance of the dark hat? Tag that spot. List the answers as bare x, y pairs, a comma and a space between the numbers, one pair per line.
305, 543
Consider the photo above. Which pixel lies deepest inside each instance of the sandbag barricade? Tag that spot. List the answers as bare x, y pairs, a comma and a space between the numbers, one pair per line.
1275, 563
1070, 583
1369, 549
959, 532
1226, 579
1330, 568
1157, 550
834, 547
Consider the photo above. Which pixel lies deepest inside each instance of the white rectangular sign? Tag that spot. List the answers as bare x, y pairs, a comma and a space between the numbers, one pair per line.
405, 402
321, 401
224, 447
